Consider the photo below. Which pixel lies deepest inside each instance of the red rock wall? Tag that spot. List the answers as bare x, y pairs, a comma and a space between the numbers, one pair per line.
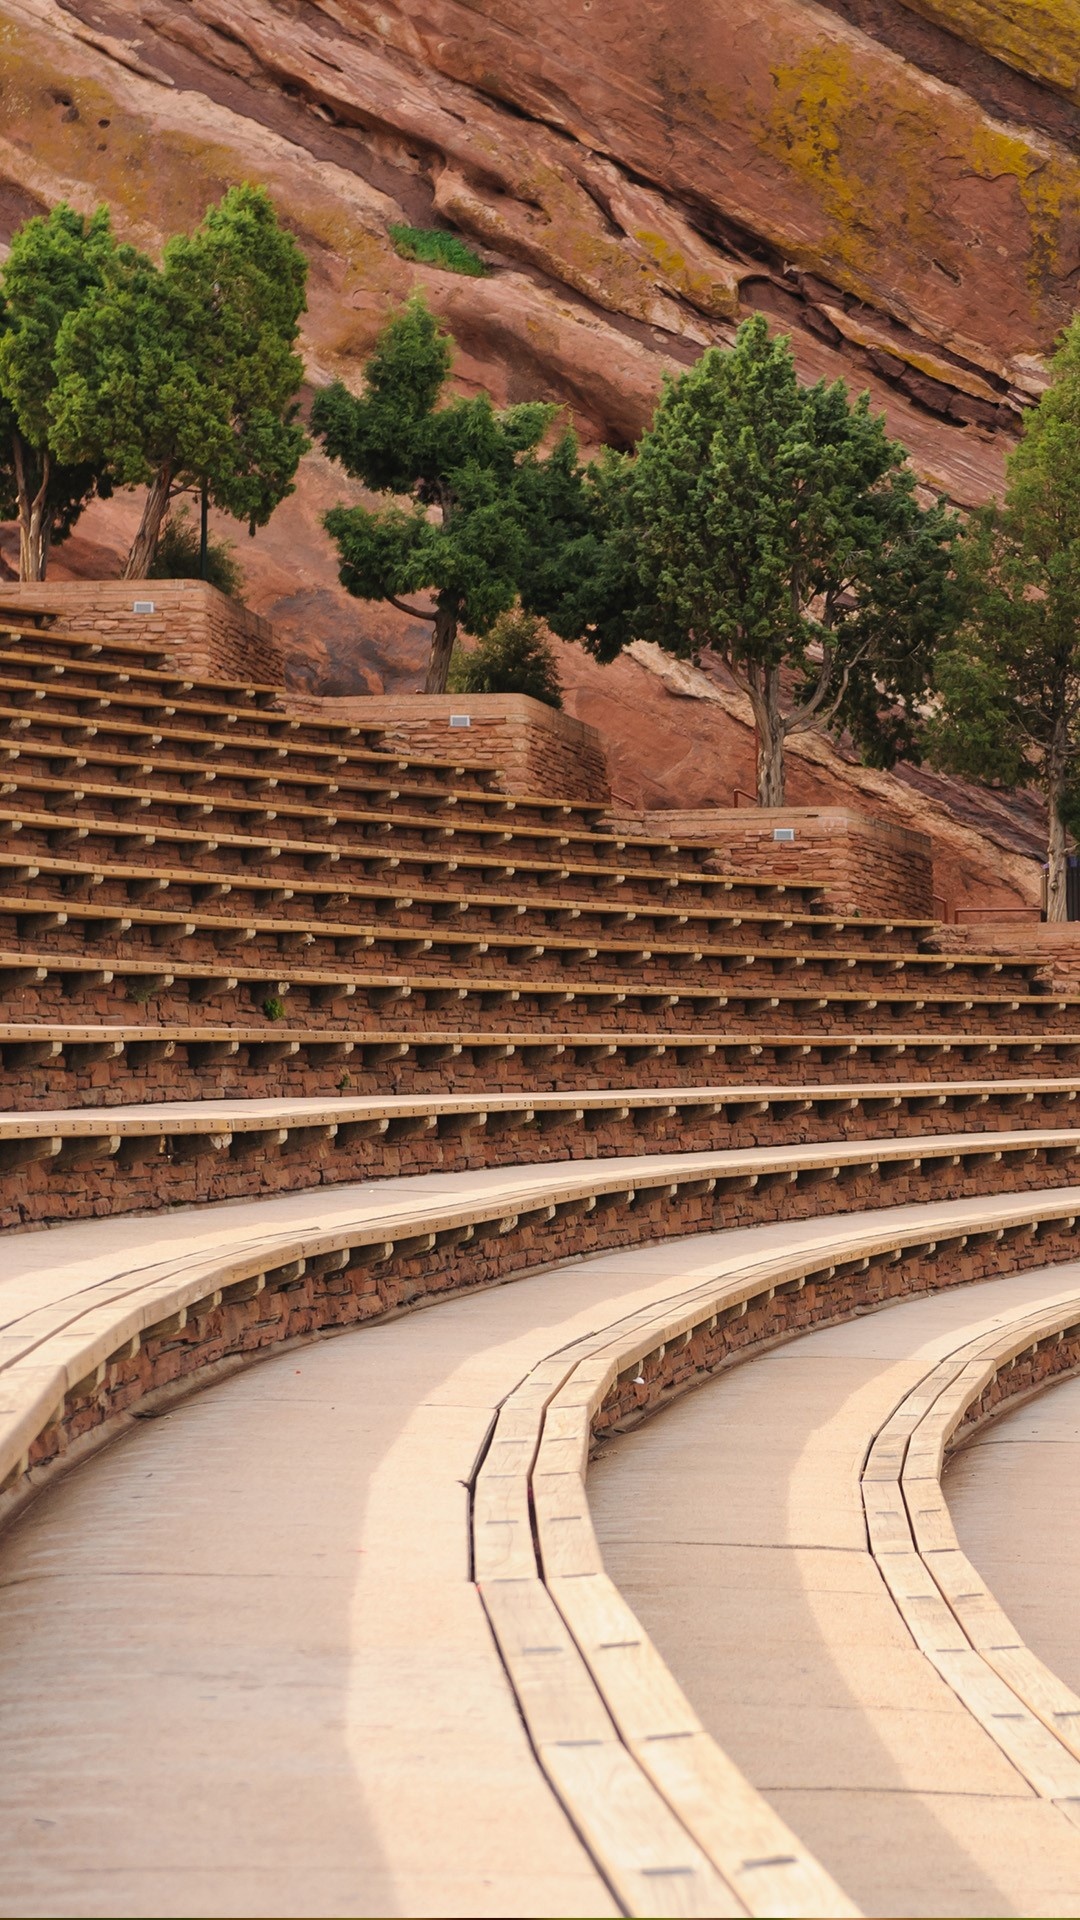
534, 748
207, 633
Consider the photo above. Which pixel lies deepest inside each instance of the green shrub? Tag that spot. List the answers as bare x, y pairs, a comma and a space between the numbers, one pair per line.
273, 1008
515, 657
177, 556
436, 249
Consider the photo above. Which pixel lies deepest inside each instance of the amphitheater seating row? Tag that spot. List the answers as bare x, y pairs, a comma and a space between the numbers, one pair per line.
669, 929
67, 1165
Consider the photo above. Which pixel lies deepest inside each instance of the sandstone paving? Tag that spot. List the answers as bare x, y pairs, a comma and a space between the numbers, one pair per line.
731, 1525
318, 1687
1014, 1496
259, 1600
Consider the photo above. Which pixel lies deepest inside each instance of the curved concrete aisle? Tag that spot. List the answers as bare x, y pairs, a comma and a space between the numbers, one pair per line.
733, 1525
243, 1667
1014, 1496
234, 1683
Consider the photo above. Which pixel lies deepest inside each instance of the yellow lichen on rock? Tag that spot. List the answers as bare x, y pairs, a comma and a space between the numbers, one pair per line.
917, 176
1039, 37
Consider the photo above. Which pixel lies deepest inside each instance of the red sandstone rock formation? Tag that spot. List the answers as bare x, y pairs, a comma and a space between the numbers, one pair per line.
895, 181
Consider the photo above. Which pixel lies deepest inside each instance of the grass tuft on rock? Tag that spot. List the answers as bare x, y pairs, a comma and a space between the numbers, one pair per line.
435, 248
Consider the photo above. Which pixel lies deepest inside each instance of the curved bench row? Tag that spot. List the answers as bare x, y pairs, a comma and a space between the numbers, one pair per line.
83, 1345
68, 1163
822, 947
349, 869
213, 1151
194, 828
72, 1361
111, 1063
951, 1614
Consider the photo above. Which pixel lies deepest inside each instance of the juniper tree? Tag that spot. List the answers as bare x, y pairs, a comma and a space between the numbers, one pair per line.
777, 527
475, 516
186, 375
55, 265
1009, 687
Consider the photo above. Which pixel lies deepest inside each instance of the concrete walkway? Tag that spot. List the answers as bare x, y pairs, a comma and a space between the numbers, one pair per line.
243, 1669
1014, 1496
733, 1526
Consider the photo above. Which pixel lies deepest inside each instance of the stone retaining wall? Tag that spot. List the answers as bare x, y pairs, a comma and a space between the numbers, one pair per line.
534, 748
206, 633
866, 865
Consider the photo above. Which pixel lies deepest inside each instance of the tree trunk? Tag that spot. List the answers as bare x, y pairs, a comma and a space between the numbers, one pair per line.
1057, 904
33, 546
144, 546
34, 528
442, 646
764, 690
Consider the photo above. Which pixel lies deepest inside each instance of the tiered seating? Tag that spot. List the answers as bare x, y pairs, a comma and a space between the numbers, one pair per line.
440, 1036
242, 950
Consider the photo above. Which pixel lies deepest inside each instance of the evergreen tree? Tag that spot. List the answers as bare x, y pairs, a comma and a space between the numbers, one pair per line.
186, 374
477, 516
54, 267
1009, 688
777, 527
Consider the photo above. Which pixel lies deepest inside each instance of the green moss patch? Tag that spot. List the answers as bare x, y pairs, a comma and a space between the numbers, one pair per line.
436, 249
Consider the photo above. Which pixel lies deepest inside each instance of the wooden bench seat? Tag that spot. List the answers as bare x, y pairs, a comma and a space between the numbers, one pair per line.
144, 929
42, 663
199, 838
747, 1111
201, 747
149, 709
377, 772
388, 782
476, 910
58, 703
50, 668
47, 883
51, 1165
52, 976
19, 630
46, 1063
503, 835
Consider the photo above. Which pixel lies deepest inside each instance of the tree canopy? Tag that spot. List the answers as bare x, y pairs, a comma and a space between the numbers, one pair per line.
56, 264
476, 514
1009, 686
186, 375
777, 527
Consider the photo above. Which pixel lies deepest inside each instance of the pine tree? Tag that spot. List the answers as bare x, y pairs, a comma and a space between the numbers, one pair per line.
476, 516
185, 375
1009, 688
55, 265
777, 527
